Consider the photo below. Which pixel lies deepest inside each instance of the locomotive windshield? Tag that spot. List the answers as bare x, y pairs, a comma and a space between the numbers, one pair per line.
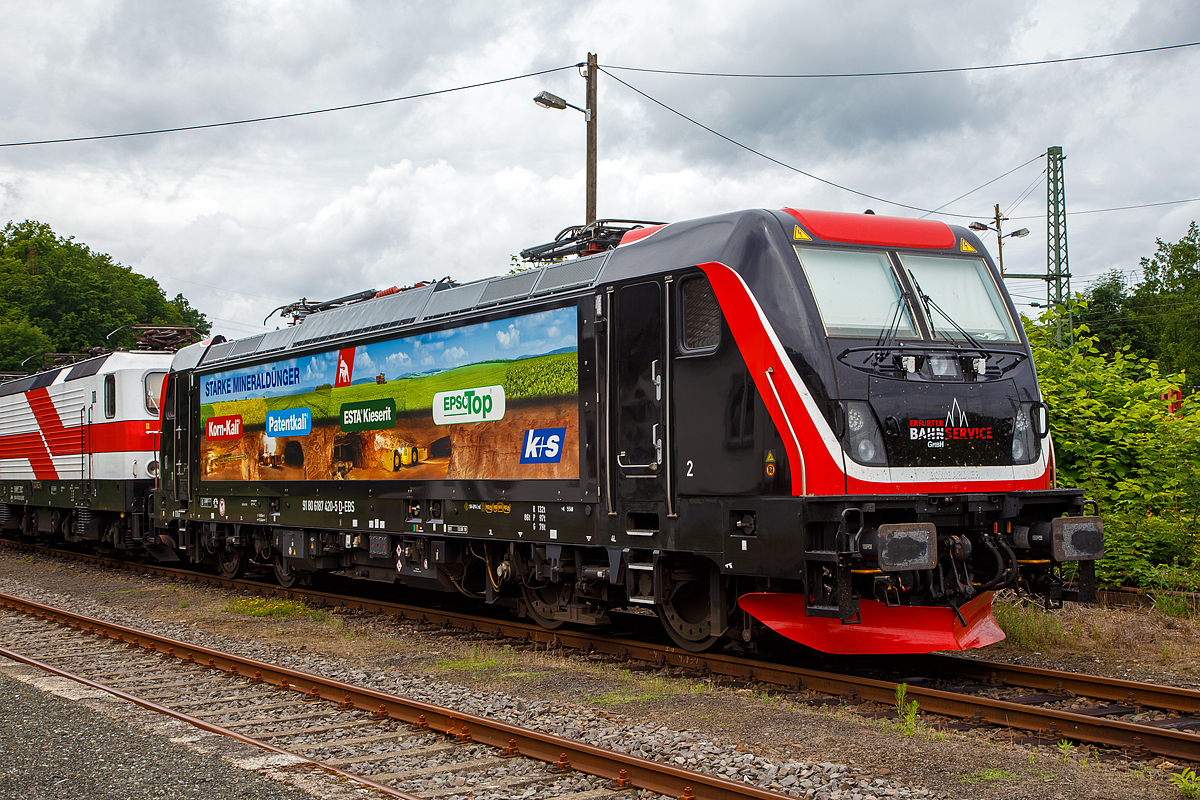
857, 293
964, 296
154, 390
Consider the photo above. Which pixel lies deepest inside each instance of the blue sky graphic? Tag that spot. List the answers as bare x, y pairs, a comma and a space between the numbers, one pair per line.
511, 338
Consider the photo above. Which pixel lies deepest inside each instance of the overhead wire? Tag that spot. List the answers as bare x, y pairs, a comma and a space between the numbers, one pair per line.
606, 68
1120, 208
902, 72
834, 184
774, 160
292, 115
1028, 190
989, 183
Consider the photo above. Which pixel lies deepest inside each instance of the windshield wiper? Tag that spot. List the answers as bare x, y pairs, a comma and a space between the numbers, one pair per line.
928, 302
889, 333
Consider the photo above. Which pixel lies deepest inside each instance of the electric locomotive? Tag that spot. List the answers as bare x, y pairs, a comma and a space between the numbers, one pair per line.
79, 449
824, 424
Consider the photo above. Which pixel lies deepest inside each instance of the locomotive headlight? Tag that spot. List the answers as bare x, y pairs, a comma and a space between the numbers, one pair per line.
863, 440
944, 367
1024, 439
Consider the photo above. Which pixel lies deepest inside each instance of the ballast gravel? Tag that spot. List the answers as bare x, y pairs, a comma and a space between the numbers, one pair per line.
807, 779
759, 753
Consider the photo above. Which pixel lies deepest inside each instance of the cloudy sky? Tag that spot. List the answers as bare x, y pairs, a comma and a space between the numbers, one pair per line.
241, 219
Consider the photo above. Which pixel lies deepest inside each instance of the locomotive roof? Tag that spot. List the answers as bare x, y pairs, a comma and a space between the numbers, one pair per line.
80, 369
642, 252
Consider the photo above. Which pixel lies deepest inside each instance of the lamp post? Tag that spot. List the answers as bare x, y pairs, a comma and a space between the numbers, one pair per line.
547, 100
1000, 237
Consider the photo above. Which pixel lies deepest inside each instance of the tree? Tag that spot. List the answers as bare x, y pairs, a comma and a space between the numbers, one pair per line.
20, 339
1107, 314
58, 294
1166, 304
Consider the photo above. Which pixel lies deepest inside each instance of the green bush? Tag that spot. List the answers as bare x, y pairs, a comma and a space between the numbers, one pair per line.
1114, 436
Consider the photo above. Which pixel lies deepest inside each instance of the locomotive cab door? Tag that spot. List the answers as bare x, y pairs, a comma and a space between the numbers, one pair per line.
175, 436
638, 405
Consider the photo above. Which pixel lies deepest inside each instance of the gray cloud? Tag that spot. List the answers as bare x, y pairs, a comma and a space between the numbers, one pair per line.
241, 219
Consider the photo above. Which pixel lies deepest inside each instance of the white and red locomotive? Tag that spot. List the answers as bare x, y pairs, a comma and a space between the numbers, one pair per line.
79, 447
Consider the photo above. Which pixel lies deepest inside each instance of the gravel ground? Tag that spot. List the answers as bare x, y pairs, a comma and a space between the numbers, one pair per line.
55, 748
782, 744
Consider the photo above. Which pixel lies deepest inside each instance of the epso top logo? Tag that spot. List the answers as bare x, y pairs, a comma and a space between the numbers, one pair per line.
543, 446
483, 404
369, 415
289, 422
218, 428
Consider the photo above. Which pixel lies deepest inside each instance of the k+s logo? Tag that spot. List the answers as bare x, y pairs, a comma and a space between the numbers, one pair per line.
543, 446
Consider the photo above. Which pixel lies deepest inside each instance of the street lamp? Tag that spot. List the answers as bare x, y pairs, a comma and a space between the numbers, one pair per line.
547, 100
1000, 237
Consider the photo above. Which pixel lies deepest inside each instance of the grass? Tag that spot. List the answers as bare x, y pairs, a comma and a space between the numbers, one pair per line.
1126, 634
907, 711
645, 690
1187, 782
1174, 605
274, 607
505, 663
471, 663
990, 775
1029, 627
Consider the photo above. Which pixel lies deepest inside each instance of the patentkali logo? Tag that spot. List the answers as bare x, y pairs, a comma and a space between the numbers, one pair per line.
289, 422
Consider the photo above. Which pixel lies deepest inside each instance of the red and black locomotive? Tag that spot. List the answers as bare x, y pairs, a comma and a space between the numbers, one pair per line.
821, 423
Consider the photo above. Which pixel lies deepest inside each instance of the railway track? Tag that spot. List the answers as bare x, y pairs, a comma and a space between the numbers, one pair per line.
396, 746
1136, 719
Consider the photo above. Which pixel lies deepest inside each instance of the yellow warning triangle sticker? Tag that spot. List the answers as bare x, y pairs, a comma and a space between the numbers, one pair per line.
801, 235
966, 247
770, 457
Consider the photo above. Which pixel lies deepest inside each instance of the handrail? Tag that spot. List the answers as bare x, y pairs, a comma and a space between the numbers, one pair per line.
803, 471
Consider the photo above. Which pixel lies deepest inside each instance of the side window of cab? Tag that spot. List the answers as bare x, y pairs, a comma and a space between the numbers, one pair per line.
110, 396
701, 329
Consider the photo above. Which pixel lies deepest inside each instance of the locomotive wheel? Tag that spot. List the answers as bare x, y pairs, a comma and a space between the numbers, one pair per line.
285, 576
687, 614
542, 601
232, 562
